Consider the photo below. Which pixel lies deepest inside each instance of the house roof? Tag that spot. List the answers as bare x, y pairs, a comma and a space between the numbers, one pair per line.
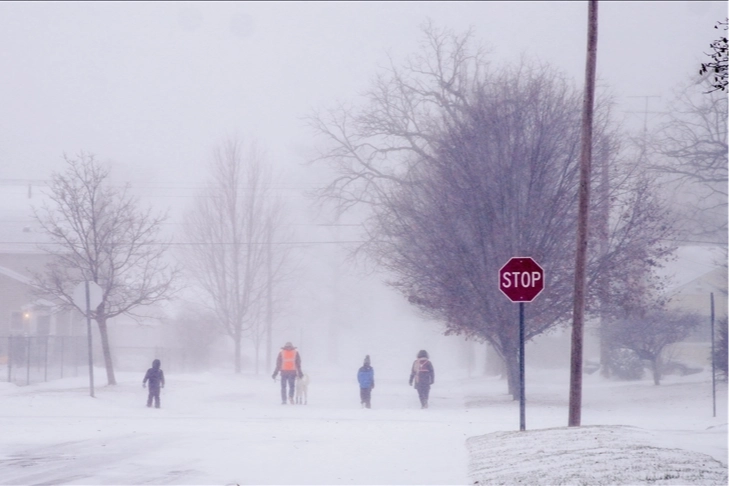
692, 263
714, 281
19, 230
15, 275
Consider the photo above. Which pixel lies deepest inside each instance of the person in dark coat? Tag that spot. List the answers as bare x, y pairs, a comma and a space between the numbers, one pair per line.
156, 378
288, 363
422, 375
366, 379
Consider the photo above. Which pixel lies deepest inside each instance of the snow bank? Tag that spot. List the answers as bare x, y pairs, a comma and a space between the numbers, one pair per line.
594, 455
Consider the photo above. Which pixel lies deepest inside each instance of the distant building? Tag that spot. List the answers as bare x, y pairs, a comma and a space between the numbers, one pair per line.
699, 272
21, 311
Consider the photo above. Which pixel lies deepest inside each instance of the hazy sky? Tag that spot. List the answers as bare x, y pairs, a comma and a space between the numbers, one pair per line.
154, 86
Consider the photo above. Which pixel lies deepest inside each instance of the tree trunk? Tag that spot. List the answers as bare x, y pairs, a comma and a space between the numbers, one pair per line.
237, 354
605, 351
656, 368
603, 220
103, 332
512, 374
493, 363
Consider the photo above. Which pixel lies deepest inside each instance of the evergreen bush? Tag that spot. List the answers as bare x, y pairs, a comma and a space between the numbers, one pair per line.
626, 365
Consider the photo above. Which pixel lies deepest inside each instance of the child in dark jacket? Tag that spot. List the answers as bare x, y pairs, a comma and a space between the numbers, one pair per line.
156, 378
366, 378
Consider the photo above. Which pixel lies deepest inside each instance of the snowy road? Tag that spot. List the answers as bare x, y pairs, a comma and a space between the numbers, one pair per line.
233, 431
225, 429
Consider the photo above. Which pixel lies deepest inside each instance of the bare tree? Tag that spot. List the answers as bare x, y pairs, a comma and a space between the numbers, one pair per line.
649, 332
278, 274
101, 235
373, 148
229, 232
190, 329
690, 151
464, 167
719, 60
502, 185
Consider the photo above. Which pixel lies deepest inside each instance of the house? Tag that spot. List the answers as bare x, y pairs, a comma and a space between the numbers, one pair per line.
39, 333
699, 273
21, 311
695, 295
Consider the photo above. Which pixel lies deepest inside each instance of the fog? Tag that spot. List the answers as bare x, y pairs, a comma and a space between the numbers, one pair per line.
153, 88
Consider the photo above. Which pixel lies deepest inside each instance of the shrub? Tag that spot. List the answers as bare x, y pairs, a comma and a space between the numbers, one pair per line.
626, 365
721, 350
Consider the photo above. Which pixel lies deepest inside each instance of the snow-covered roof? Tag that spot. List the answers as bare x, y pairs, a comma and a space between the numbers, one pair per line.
19, 231
14, 275
692, 263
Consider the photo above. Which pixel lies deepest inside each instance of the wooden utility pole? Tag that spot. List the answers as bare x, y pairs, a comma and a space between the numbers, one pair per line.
575, 404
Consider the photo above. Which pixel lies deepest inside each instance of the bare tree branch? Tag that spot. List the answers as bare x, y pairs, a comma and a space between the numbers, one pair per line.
462, 167
99, 234
718, 65
228, 231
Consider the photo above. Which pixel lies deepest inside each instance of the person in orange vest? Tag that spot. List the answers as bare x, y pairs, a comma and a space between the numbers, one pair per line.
423, 375
288, 363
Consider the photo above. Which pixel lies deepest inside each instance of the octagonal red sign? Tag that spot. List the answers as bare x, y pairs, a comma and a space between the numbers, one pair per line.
521, 279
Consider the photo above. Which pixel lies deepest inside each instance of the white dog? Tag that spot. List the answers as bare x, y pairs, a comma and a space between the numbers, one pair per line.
302, 389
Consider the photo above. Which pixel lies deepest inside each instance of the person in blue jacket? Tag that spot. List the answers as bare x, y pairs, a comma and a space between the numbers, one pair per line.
156, 378
366, 378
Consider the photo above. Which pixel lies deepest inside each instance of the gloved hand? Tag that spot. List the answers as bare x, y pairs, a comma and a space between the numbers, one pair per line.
301, 375
144, 385
163, 386
273, 376
410, 382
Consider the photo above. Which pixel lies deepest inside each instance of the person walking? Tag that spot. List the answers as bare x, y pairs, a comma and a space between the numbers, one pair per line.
288, 363
366, 379
422, 375
156, 378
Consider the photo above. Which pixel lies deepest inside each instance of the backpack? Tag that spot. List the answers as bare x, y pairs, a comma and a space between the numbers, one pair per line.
422, 372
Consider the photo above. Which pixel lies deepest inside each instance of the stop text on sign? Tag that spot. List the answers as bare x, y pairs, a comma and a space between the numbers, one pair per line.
521, 279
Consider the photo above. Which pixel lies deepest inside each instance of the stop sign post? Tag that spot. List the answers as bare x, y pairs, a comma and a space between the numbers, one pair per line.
521, 279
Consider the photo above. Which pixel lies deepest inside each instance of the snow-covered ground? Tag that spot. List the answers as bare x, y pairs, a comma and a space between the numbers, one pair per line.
218, 428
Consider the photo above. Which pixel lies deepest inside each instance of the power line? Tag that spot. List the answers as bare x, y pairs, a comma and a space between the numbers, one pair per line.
645, 111
222, 243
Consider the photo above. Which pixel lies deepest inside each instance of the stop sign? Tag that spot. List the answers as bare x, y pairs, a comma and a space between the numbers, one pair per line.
521, 279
